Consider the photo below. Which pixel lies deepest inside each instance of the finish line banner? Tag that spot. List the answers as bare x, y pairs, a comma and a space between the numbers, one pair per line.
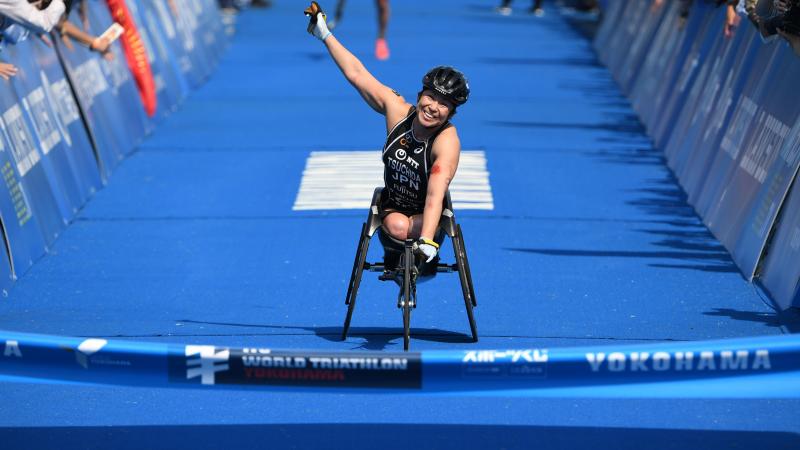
761, 366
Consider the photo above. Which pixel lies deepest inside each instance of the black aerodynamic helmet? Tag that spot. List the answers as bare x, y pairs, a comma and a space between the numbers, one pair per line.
449, 82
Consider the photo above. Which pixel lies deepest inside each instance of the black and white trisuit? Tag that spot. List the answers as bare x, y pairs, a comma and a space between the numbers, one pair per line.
407, 164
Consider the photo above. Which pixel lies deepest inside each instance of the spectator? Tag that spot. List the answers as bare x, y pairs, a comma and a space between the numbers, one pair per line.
30, 16
780, 15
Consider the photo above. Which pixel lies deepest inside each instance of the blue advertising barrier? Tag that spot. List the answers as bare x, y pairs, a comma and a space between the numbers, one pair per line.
68, 119
690, 115
656, 82
607, 30
686, 66
639, 46
758, 184
664, 41
722, 112
182, 41
95, 99
170, 84
55, 159
722, 97
25, 161
757, 367
214, 35
737, 131
780, 274
21, 229
625, 31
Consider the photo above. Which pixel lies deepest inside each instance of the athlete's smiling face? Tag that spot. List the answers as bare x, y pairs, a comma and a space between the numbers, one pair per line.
433, 109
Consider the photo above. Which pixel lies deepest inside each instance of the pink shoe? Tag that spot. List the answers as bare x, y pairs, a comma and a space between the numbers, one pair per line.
381, 49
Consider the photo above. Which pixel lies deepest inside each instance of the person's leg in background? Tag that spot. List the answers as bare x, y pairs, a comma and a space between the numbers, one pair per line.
337, 16
537, 9
504, 8
381, 47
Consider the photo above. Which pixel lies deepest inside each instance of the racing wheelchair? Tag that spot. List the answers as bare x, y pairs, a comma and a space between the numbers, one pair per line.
410, 266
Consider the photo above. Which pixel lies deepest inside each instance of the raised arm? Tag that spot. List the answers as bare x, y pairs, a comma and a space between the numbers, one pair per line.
379, 97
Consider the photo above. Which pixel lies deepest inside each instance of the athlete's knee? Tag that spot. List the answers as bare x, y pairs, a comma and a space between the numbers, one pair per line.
397, 227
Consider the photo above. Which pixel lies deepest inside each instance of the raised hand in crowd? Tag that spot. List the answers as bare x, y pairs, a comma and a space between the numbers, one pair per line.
7, 70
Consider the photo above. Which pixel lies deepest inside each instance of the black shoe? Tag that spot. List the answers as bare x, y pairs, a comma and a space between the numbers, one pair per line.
261, 3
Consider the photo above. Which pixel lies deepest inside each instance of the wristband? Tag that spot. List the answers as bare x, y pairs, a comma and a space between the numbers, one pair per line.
429, 242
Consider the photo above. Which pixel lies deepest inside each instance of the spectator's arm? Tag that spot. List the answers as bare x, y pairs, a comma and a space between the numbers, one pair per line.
68, 29
25, 14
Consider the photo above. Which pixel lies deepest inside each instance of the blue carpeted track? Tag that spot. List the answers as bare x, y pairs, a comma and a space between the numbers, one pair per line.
194, 240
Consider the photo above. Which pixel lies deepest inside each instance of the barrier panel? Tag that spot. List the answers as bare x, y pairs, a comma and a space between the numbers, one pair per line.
639, 45
738, 130
689, 113
780, 274
68, 119
607, 31
29, 175
54, 158
21, 229
664, 41
757, 367
171, 88
180, 33
685, 67
762, 175
94, 96
721, 96
722, 112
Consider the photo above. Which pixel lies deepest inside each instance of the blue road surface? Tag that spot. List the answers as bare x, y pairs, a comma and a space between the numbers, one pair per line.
195, 241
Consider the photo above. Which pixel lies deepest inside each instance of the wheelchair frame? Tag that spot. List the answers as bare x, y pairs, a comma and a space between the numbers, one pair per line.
407, 269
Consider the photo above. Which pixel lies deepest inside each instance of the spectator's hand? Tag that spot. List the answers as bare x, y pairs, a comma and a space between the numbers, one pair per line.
428, 247
316, 23
7, 70
103, 46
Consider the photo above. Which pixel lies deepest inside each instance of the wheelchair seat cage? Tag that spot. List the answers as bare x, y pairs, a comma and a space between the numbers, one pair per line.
407, 271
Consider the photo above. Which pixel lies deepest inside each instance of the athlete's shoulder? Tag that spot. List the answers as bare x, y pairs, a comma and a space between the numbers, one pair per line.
447, 140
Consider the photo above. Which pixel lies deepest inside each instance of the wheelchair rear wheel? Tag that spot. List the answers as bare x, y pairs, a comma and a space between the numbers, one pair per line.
355, 278
466, 281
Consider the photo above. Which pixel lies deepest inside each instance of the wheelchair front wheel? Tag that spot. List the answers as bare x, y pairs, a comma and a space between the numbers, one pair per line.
408, 263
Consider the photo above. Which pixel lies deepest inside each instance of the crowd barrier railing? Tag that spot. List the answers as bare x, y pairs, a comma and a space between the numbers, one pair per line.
70, 116
761, 367
723, 111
